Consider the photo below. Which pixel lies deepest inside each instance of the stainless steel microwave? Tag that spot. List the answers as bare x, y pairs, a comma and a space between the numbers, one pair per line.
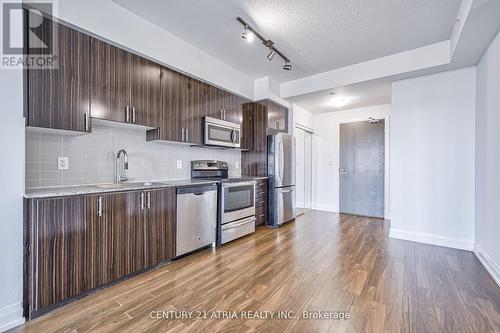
222, 133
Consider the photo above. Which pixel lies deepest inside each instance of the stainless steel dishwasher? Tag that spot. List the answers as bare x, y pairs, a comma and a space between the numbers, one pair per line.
196, 217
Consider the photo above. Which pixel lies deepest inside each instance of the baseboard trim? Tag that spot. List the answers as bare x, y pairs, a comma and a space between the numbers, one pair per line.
489, 264
421, 237
11, 316
324, 208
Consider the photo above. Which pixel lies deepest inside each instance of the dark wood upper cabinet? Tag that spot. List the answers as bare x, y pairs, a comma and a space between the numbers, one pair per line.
160, 226
192, 115
124, 87
254, 126
59, 98
277, 116
110, 81
145, 92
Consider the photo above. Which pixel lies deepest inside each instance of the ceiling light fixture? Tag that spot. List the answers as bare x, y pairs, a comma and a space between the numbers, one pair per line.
339, 102
249, 34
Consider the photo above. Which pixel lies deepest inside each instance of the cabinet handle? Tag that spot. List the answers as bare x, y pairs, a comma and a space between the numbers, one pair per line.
142, 200
127, 114
133, 114
99, 206
182, 134
187, 134
221, 114
148, 204
86, 122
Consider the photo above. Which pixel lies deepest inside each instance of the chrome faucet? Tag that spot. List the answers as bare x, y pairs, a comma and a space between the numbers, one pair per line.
121, 174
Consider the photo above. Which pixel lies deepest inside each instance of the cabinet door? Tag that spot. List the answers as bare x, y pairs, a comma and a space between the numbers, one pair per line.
234, 109
172, 102
145, 92
115, 236
192, 115
59, 244
160, 220
254, 161
59, 98
277, 116
124, 225
109, 81
97, 242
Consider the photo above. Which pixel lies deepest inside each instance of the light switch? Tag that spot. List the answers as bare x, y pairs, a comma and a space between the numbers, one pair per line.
62, 163
179, 164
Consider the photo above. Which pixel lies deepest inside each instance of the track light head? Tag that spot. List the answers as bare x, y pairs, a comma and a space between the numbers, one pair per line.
248, 35
271, 54
287, 66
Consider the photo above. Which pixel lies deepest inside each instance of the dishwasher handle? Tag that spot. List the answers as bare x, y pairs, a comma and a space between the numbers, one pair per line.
196, 190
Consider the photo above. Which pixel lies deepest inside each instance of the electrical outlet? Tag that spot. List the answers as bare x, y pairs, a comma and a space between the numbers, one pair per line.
179, 164
62, 163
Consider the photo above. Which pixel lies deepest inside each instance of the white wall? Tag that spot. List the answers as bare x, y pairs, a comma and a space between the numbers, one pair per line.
326, 154
302, 117
432, 158
11, 198
487, 230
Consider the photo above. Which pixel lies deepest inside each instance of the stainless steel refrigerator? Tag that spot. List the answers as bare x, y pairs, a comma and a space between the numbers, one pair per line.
281, 172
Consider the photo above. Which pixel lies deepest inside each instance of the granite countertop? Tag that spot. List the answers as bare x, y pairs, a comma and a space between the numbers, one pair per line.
63, 191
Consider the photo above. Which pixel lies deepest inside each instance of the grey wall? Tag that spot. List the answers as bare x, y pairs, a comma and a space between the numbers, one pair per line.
92, 156
487, 224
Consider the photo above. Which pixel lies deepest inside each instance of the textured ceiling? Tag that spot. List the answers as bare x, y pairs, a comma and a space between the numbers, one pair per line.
317, 35
359, 95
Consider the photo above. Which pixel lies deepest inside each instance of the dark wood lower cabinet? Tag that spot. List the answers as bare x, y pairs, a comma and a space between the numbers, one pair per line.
59, 251
76, 244
261, 201
160, 227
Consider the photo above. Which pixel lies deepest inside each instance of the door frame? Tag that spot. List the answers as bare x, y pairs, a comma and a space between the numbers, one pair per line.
387, 196
310, 131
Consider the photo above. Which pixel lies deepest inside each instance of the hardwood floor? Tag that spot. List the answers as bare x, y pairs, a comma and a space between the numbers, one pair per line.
322, 261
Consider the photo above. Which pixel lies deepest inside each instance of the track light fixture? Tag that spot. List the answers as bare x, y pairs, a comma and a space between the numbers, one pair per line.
248, 35
271, 54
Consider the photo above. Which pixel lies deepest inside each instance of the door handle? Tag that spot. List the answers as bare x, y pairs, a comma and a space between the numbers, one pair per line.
127, 114
99, 206
182, 135
142, 200
133, 114
148, 203
187, 134
86, 122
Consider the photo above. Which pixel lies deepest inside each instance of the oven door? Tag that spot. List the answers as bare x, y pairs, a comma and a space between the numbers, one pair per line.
238, 201
222, 133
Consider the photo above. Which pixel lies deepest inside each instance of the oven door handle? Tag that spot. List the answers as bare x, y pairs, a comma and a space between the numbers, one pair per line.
231, 225
225, 185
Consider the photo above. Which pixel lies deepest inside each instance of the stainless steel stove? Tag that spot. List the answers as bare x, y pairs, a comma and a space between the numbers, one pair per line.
236, 213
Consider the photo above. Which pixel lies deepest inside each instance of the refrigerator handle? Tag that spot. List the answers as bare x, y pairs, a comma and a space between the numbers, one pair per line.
282, 161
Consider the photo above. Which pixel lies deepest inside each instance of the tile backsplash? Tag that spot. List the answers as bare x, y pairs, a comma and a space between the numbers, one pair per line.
92, 157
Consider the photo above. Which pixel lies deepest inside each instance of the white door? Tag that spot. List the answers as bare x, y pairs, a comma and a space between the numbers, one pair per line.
303, 157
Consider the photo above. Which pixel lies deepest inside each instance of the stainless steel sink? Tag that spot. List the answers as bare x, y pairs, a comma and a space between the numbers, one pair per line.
137, 185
